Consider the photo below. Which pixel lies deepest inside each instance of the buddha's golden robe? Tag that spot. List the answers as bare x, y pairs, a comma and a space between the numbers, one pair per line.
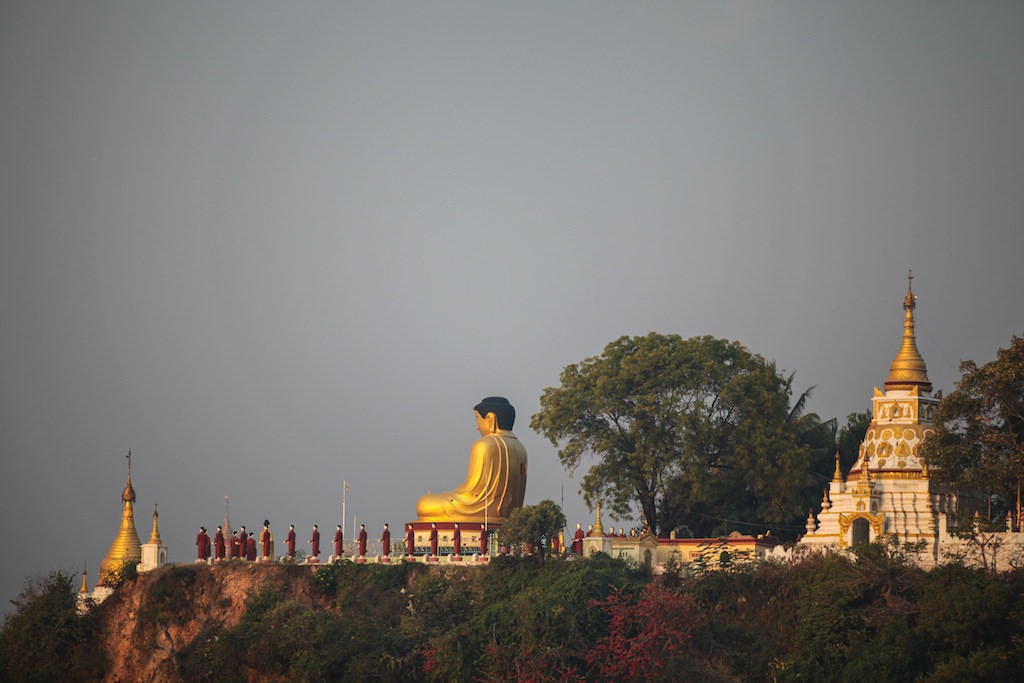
495, 483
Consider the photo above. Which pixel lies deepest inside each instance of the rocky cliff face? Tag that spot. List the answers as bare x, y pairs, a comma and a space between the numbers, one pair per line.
149, 624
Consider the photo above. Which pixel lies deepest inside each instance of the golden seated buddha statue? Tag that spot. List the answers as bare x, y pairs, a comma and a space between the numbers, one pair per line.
496, 482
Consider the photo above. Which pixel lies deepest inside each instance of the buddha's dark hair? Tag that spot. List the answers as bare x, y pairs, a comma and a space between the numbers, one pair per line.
501, 408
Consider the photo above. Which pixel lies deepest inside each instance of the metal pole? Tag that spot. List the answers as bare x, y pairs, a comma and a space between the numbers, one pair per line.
344, 491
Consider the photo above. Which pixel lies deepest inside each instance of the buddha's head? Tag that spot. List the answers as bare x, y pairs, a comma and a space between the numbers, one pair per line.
494, 413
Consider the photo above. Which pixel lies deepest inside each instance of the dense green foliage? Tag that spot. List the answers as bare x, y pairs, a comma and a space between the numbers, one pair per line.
46, 639
823, 439
979, 430
694, 432
536, 525
826, 618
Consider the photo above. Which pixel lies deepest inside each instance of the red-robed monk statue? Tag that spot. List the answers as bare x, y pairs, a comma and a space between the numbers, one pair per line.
433, 539
314, 541
339, 541
202, 545
362, 540
250, 548
219, 545
577, 540
385, 542
410, 540
234, 545
457, 540
290, 541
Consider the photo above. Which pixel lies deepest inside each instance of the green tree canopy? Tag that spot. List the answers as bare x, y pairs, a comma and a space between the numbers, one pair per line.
694, 432
535, 524
978, 442
823, 440
46, 639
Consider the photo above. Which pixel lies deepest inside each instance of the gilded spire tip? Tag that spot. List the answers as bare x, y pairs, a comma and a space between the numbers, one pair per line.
908, 368
128, 494
154, 537
910, 300
598, 527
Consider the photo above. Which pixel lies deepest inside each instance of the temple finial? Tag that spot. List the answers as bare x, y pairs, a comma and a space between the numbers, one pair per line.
85, 584
910, 300
908, 369
154, 536
598, 527
837, 475
128, 494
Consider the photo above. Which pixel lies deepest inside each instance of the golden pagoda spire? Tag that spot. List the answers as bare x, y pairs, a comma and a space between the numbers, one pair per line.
908, 370
85, 584
155, 536
837, 475
598, 527
126, 546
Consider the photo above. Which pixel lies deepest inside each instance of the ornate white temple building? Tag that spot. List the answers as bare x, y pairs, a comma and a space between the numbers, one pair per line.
888, 490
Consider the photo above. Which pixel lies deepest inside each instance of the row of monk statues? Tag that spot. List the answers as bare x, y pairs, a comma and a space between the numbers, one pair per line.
242, 545
495, 485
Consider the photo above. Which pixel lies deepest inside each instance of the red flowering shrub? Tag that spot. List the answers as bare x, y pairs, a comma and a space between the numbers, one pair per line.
645, 636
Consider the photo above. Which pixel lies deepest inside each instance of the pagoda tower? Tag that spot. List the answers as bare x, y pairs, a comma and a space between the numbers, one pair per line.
887, 491
154, 552
126, 546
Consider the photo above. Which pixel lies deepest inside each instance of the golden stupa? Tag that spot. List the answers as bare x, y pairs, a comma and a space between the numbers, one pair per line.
154, 537
126, 546
908, 371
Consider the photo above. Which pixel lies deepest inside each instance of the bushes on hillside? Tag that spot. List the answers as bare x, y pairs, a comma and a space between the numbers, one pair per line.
46, 639
828, 618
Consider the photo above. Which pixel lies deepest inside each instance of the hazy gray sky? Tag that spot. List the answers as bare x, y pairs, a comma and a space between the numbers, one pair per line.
273, 246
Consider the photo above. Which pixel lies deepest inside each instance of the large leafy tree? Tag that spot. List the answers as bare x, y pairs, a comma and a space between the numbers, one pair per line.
978, 442
695, 432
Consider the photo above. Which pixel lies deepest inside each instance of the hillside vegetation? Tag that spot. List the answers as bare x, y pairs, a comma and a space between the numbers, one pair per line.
826, 618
